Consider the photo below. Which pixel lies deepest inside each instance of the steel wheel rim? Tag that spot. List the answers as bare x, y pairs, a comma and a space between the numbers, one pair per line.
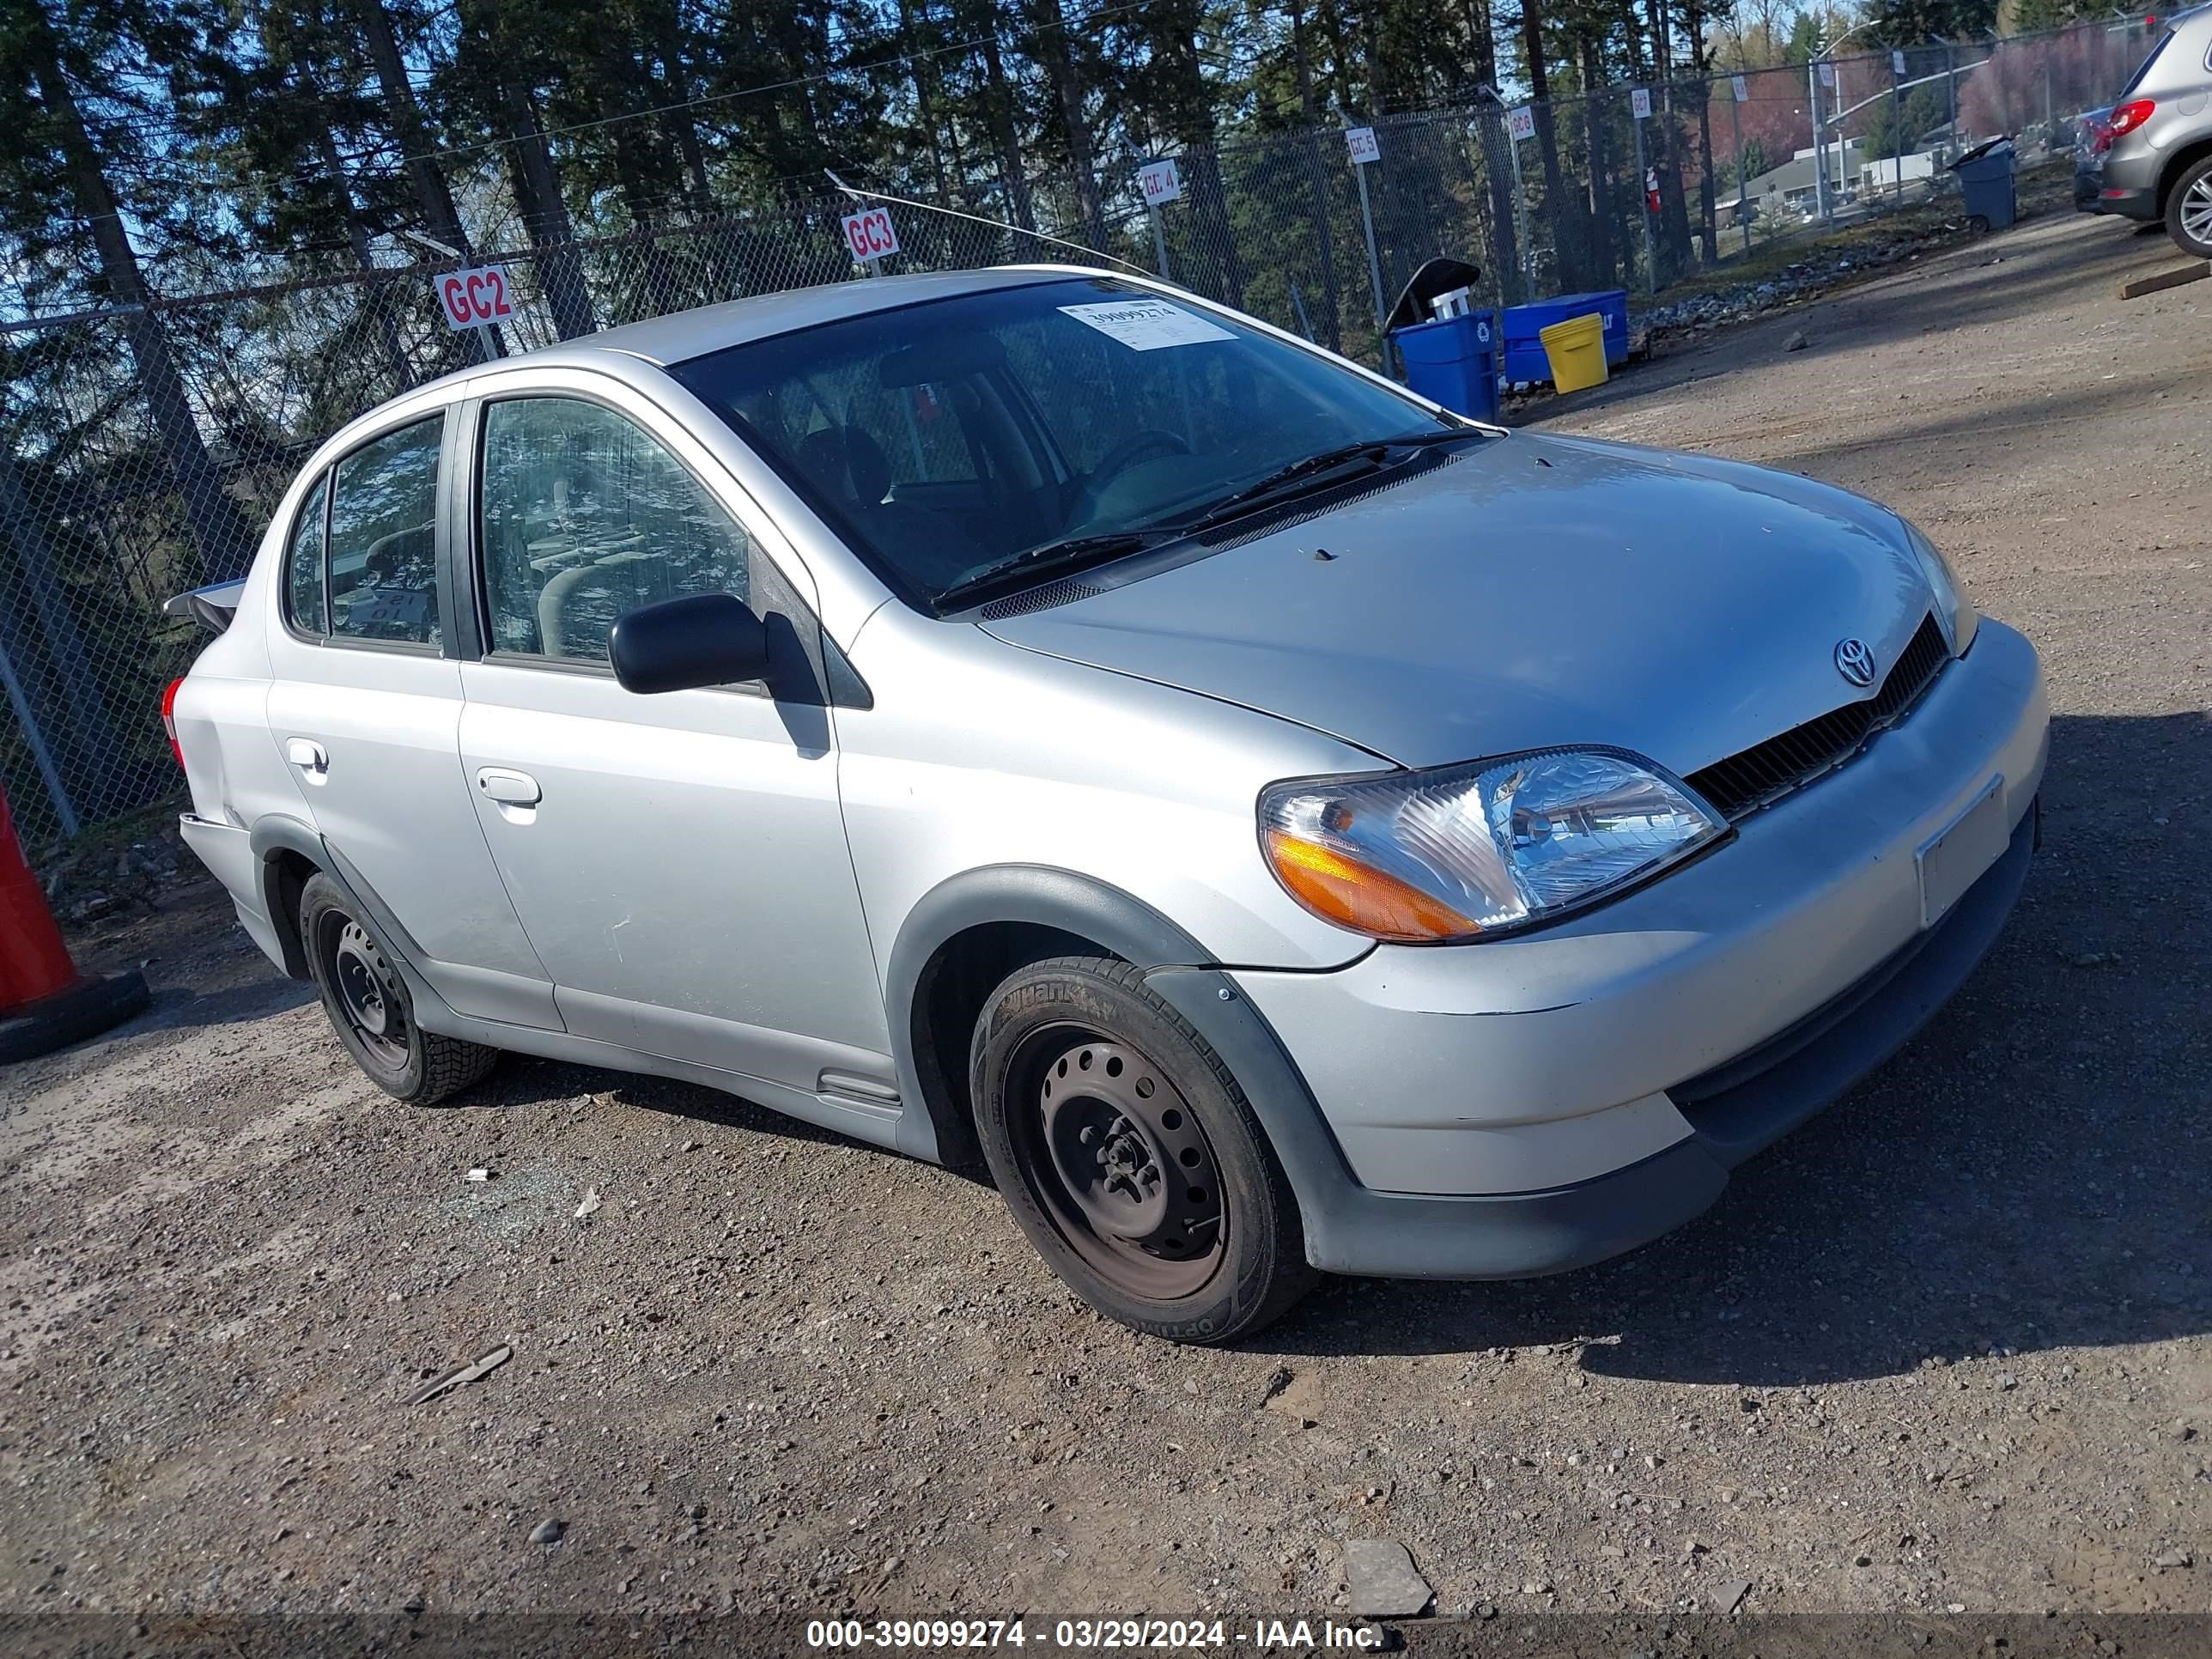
368, 993
1111, 1151
2196, 209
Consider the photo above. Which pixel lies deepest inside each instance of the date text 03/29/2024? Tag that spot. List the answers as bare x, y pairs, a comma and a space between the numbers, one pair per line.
1074, 1635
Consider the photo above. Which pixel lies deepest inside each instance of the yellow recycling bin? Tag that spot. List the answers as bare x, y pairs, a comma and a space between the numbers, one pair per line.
1576, 350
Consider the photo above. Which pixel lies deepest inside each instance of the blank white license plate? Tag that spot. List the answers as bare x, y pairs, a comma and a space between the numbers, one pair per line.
1954, 858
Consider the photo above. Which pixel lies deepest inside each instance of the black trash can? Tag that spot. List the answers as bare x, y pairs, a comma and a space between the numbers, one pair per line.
1985, 181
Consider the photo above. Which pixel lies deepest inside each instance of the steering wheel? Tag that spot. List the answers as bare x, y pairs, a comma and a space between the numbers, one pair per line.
1138, 446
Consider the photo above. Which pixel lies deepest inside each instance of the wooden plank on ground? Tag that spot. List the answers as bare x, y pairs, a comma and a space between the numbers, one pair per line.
2166, 279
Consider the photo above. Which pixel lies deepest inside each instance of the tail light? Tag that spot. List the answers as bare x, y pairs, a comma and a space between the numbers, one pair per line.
2124, 120
169, 719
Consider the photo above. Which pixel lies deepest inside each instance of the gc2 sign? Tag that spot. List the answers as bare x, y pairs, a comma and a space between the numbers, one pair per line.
869, 235
1161, 183
472, 298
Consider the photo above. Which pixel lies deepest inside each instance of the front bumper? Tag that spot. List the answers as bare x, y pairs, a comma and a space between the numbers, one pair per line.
1531, 1104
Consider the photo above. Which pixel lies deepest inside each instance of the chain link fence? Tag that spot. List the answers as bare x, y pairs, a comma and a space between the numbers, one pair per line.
145, 447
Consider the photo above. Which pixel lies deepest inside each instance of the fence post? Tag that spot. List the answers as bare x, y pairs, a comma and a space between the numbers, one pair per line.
1897, 121
1737, 87
1159, 240
1643, 195
1521, 221
1374, 260
1820, 150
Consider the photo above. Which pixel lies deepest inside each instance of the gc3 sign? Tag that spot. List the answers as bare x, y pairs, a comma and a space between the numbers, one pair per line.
472, 298
869, 235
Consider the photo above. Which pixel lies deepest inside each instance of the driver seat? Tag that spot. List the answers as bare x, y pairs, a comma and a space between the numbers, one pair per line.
851, 468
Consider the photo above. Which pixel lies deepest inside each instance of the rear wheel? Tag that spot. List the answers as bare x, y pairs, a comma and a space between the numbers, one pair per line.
370, 1010
2188, 210
1129, 1156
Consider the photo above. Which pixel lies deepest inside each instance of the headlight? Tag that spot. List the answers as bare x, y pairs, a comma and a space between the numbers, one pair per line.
1466, 852
1953, 609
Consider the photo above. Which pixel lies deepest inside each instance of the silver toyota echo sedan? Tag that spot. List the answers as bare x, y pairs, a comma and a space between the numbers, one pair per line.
1042, 719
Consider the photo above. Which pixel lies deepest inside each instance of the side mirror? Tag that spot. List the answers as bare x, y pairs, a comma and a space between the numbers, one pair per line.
680, 645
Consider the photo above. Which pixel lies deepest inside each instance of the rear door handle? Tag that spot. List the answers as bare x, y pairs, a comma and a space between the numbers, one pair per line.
509, 788
309, 756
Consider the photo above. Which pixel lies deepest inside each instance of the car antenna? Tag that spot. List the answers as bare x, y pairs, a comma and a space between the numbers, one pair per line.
858, 195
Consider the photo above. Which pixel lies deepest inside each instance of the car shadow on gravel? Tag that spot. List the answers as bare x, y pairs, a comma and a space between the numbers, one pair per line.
521, 1082
2028, 1173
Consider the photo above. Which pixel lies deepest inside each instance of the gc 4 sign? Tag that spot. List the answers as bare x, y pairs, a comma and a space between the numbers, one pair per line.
1639, 103
1360, 141
472, 298
1161, 183
869, 235
1521, 121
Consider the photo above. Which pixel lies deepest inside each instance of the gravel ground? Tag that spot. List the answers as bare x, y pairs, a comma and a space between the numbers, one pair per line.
1943, 1350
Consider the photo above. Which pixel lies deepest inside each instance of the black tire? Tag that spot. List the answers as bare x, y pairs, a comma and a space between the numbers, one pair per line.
369, 1008
2189, 203
1130, 1157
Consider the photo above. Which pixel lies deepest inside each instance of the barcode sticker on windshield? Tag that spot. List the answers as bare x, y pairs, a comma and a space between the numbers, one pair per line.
1147, 324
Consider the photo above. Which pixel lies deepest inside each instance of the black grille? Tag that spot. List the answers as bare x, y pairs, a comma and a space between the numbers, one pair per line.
1762, 774
1040, 598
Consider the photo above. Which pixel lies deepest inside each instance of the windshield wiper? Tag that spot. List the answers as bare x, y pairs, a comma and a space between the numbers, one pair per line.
1074, 552
1292, 479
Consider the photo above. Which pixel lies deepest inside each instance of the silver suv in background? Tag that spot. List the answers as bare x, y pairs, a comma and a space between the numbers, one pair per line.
1040, 718
2149, 156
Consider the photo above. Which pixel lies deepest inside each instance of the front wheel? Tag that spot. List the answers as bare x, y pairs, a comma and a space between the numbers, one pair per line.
2189, 211
370, 1010
1130, 1157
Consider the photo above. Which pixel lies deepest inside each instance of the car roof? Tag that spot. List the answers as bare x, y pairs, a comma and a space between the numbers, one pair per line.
680, 335
661, 341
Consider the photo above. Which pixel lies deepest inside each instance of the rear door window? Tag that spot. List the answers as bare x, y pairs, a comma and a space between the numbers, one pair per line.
383, 540
2143, 68
304, 566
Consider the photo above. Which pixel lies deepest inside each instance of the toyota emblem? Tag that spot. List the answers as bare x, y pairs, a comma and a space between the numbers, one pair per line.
1855, 662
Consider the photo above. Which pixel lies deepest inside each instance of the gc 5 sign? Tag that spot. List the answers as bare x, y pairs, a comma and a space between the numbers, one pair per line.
472, 298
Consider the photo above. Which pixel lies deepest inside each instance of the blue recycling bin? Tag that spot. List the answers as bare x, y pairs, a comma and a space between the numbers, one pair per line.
1454, 361
1522, 329
1985, 180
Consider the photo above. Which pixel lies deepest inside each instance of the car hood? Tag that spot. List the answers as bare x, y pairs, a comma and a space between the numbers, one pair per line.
1529, 592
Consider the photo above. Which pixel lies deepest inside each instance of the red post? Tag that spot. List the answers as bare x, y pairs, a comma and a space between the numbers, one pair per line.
44, 1002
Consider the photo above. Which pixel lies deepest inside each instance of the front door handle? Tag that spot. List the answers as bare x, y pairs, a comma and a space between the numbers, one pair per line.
310, 756
508, 787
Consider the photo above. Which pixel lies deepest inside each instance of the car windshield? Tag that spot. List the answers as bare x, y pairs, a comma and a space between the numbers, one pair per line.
1018, 432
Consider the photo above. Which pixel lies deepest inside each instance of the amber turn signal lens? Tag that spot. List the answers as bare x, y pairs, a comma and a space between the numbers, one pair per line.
1342, 890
